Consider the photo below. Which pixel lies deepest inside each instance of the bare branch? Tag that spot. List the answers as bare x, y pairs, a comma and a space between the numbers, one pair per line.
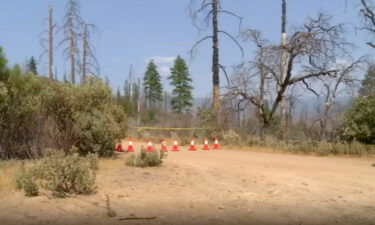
197, 43
235, 41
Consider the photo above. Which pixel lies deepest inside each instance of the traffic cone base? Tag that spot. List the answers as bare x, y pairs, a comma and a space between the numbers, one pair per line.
119, 147
192, 146
216, 144
205, 145
175, 146
164, 146
130, 146
149, 148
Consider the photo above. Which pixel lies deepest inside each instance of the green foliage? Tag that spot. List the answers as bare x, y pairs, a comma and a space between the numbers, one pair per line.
37, 113
146, 159
25, 180
149, 116
31, 66
368, 83
181, 81
63, 175
359, 121
207, 121
152, 84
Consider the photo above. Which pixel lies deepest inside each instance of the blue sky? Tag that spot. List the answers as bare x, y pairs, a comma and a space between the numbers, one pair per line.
133, 31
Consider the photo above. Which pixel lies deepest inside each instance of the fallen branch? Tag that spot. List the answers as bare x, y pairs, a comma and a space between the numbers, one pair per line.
138, 218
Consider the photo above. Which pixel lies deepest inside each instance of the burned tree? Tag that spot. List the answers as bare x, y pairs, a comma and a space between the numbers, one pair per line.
49, 41
311, 54
333, 87
72, 33
90, 64
282, 64
210, 9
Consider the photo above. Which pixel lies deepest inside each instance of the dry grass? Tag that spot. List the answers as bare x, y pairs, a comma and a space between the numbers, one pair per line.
8, 171
110, 163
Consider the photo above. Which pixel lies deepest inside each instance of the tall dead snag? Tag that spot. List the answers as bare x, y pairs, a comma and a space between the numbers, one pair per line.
283, 66
312, 52
90, 64
49, 41
209, 11
72, 32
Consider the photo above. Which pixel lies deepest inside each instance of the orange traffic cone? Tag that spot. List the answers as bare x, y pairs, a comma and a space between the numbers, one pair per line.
192, 145
149, 148
164, 145
119, 147
205, 145
216, 144
175, 145
130, 145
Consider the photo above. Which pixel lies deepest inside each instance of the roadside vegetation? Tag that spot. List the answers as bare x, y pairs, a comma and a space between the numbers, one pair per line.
146, 159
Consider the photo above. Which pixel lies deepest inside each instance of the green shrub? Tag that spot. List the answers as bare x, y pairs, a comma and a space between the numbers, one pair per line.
63, 175
359, 121
146, 159
25, 180
93, 161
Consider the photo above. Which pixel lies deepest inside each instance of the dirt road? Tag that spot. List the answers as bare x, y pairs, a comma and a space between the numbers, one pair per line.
214, 187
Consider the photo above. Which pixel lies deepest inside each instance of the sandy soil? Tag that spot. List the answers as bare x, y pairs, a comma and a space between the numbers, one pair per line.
214, 187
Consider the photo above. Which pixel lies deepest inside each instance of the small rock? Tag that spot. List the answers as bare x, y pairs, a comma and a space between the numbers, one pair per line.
230, 191
221, 207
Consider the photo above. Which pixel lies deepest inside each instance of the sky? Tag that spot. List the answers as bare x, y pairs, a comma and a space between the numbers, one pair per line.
131, 32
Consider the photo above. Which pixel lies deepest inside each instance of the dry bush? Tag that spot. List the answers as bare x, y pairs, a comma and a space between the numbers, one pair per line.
63, 175
146, 159
314, 147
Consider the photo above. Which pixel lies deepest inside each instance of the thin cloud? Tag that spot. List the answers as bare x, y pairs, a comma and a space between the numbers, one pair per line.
162, 59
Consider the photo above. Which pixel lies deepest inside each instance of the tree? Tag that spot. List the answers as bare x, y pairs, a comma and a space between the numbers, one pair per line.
72, 31
312, 52
333, 87
368, 13
31, 66
152, 86
368, 83
359, 121
211, 9
89, 62
49, 49
180, 80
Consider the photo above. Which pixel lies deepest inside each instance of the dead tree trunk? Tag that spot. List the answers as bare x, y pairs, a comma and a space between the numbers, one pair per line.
282, 69
211, 17
72, 54
84, 52
50, 42
215, 59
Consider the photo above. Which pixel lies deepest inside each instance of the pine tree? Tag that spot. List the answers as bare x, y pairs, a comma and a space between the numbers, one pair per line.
180, 80
152, 84
31, 66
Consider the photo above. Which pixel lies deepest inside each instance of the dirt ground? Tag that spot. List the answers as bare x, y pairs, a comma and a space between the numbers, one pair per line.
214, 187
